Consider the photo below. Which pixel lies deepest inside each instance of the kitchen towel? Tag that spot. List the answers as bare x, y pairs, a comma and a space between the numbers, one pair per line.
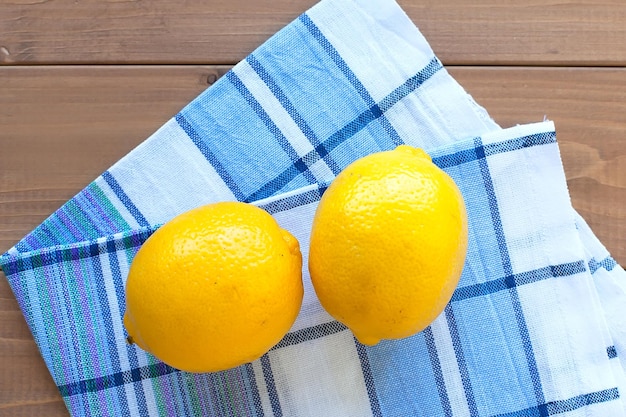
535, 327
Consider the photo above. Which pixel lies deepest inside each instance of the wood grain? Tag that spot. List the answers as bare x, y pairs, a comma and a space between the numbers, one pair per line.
480, 32
88, 117
63, 126
26, 387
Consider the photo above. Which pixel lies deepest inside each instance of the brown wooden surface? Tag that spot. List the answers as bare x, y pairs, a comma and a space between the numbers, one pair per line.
70, 105
548, 32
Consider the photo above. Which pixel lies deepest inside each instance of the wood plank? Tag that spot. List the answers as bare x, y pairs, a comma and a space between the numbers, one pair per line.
26, 387
530, 32
62, 126
481, 32
161, 31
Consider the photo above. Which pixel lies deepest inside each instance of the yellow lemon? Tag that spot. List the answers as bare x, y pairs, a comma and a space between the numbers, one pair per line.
214, 288
388, 244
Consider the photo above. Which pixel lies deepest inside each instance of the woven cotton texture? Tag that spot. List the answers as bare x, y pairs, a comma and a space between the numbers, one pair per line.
535, 328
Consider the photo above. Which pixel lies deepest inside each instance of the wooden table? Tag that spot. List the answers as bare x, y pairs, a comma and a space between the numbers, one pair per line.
83, 82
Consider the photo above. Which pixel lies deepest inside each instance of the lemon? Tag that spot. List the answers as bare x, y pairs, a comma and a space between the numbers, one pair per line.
214, 288
388, 244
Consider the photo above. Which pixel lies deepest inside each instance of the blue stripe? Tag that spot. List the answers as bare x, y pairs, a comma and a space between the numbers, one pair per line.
13, 265
542, 138
337, 59
126, 201
607, 263
410, 85
471, 155
24, 245
256, 398
310, 333
325, 148
271, 187
41, 232
374, 112
50, 234
182, 398
271, 386
111, 342
79, 202
70, 219
291, 110
515, 280
460, 358
611, 352
437, 372
322, 150
349, 130
210, 156
370, 385
298, 162
564, 406
115, 379
295, 200
508, 270
348, 73
63, 223
120, 296
388, 127
458, 158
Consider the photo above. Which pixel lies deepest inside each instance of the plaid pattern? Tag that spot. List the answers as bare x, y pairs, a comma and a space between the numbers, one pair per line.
535, 327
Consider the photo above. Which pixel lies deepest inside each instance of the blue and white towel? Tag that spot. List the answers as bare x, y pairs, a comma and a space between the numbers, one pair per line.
536, 327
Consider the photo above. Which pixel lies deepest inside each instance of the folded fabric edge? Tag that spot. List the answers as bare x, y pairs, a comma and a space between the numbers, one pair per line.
14, 261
